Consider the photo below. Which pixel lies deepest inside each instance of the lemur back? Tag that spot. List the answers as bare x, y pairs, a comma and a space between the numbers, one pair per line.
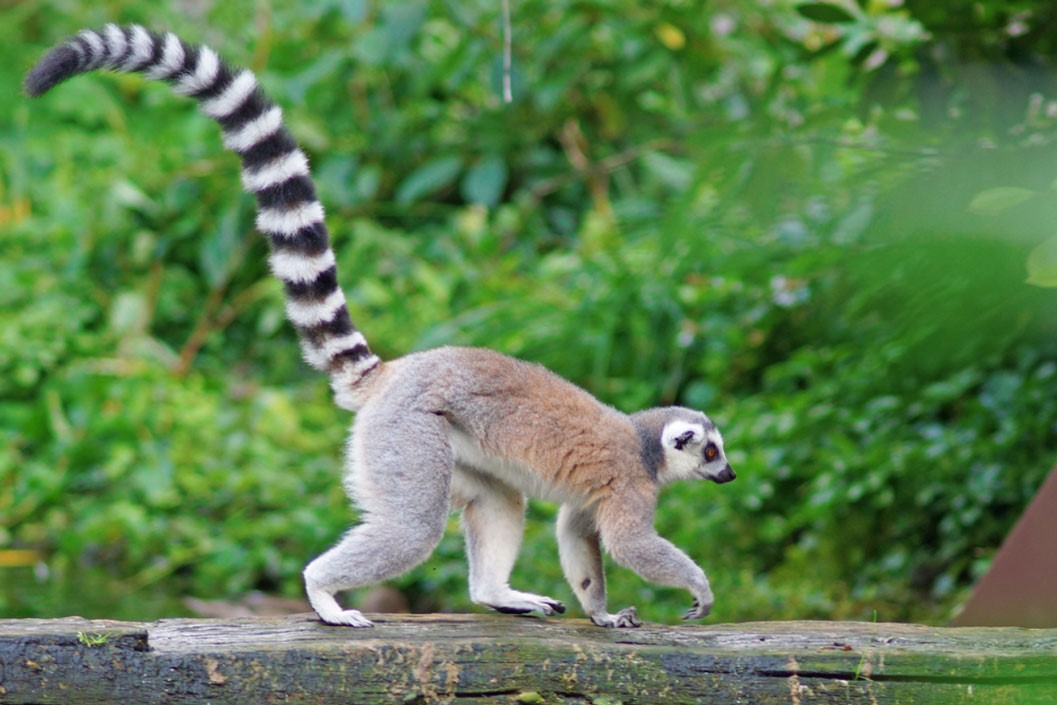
451, 427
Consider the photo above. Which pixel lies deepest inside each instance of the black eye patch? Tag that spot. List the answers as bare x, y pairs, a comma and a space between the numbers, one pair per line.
711, 452
683, 439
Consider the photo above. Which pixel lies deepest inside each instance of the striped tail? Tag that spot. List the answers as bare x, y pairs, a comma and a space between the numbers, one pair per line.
274, 170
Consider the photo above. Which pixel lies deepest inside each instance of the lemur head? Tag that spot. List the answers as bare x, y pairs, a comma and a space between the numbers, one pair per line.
681, 444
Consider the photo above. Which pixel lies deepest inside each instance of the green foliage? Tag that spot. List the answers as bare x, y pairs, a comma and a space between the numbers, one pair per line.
93, 640
820, 222
1042, 264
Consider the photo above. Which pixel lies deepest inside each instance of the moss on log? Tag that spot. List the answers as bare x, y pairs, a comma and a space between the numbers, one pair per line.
500, 659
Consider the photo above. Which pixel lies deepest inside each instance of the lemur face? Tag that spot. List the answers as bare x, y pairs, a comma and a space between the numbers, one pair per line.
693, 448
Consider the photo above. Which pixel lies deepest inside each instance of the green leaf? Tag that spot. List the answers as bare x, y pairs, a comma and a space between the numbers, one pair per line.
995, 200
402, 21
825, 12
1042, 264
428, 178
485, 181
353, 10
676, 173
217, 253
129, 195
129, 313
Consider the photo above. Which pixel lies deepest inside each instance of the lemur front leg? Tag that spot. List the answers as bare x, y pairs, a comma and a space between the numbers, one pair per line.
493, 520
630, 538
581, 559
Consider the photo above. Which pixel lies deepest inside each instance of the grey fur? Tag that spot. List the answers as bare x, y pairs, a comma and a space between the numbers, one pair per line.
476, 430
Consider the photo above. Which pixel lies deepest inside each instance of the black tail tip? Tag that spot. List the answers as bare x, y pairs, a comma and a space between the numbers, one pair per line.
57, 65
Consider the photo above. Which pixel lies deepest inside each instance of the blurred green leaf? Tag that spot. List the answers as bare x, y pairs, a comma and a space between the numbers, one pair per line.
996, 200
219, 250
484, 181
430, 177
675, 173
129, 314
1042, 264
825, 12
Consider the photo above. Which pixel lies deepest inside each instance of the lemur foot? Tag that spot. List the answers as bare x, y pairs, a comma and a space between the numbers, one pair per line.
515, 602
698, 610
346, 618
330, 611
626, 618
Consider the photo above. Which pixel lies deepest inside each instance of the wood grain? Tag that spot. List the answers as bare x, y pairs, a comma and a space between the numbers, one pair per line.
500, 659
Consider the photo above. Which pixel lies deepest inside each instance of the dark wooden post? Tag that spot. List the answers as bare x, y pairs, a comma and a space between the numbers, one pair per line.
1020, 588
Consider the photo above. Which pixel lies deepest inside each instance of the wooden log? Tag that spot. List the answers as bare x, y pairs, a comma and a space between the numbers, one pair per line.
502, 659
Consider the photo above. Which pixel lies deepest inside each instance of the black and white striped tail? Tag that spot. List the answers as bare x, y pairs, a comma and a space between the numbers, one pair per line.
274, 170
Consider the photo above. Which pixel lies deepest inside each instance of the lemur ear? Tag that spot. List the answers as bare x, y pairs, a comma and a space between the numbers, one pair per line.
679, 434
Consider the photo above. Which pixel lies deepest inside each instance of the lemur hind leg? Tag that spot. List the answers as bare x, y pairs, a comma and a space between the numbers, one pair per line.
402, 487
493, 520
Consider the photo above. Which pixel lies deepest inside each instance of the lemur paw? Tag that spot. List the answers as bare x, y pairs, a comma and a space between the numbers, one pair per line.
698, 610
516, 602
626, 618
346, 618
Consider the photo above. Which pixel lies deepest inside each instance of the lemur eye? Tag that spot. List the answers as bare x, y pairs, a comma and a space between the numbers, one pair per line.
711, 452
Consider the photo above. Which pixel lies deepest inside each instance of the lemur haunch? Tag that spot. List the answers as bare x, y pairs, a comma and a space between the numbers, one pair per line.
452, 427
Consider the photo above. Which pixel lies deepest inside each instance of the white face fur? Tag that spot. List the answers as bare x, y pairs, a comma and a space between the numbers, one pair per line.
693, 450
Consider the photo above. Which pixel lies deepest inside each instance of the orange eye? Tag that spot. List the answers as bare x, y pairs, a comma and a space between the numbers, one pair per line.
711, 453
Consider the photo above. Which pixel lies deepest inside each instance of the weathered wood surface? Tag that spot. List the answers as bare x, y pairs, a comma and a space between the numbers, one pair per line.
501, 659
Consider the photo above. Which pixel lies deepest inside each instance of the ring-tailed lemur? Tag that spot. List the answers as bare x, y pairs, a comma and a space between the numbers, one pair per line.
451, 427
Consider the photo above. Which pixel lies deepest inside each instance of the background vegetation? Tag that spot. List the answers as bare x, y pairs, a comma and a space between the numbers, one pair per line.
828, 224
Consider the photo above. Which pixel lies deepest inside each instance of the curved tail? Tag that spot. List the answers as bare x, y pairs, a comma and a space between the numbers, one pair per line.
274, 170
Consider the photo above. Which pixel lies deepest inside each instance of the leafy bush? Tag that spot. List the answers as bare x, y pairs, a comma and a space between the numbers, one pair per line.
814, 224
